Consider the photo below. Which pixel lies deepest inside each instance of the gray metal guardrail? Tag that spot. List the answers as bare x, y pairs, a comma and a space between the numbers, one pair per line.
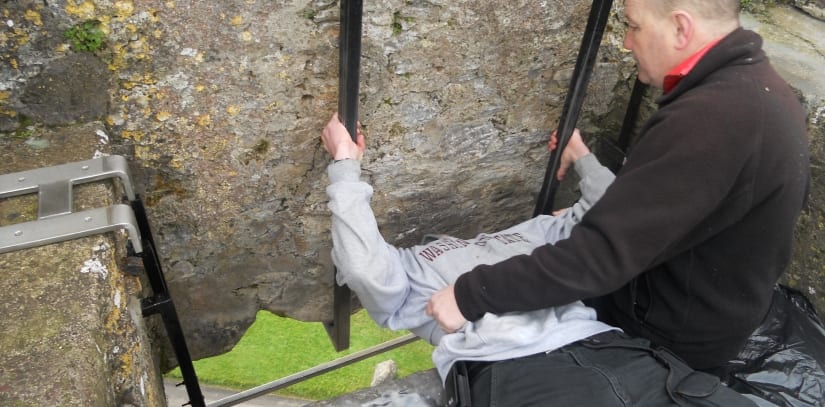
312, 372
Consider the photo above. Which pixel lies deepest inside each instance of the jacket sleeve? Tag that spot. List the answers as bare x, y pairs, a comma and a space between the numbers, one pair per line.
673, 180
366, 263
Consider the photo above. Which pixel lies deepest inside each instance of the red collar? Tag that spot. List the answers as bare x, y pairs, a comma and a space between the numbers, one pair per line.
680, 71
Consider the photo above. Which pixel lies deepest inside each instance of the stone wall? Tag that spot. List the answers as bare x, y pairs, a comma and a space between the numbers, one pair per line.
73, 333
219, 106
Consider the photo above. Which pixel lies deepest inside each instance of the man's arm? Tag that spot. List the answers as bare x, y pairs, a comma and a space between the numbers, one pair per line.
595, 178
677, 175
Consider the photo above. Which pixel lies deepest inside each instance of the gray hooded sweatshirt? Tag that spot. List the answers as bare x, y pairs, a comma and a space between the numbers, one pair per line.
394, 284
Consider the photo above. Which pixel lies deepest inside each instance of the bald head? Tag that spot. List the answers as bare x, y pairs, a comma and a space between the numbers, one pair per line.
709, 9
663, 33
722, 16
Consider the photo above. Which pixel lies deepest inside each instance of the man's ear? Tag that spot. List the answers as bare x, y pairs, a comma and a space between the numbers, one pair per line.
685, 26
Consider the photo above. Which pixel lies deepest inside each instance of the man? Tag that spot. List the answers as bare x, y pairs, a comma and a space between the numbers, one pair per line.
688, 242
560, 355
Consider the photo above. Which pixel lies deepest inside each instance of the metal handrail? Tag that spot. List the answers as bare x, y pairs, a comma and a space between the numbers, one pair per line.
314, 371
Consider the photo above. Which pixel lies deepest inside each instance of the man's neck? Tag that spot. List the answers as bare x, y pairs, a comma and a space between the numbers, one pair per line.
706, 34
675, 75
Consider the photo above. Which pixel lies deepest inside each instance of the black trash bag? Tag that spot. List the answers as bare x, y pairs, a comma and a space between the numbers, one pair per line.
783, 362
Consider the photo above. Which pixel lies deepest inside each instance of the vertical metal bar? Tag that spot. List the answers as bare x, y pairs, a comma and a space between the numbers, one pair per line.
613, 152
161, 303
349, 68
596, 23
338, 329
631, 114
349, 63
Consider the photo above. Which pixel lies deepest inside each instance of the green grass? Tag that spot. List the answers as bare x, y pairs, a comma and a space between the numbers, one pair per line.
276, 347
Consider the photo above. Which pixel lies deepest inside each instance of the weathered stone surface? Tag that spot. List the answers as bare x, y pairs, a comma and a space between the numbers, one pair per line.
421, 389
815, 8
220, 105
795, 43
69, 90
72, 329
73, 333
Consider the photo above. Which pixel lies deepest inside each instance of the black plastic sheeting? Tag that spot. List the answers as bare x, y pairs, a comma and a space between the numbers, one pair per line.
783, 363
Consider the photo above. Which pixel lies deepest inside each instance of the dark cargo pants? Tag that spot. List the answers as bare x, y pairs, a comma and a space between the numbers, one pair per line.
609, 369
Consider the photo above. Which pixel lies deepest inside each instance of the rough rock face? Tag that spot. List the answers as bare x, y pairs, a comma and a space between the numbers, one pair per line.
794, 42
815, 8
77, 84
220, 105
73, 333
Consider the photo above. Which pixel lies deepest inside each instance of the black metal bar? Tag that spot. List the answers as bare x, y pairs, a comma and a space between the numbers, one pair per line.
631, 114
615, 151
156, 279
349, 63
349, 68
596, 23
338, 329
161, 303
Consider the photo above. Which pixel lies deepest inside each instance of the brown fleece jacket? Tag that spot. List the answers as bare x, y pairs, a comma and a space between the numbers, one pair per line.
688, 242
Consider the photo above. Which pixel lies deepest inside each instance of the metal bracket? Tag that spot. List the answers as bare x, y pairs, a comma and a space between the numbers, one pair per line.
56, 222
70, 226
54, 184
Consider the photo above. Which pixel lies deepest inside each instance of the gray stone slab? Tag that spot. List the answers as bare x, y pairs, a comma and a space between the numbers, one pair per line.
421, 389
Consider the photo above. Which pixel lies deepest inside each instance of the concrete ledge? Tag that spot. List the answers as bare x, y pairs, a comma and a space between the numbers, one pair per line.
73, 331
